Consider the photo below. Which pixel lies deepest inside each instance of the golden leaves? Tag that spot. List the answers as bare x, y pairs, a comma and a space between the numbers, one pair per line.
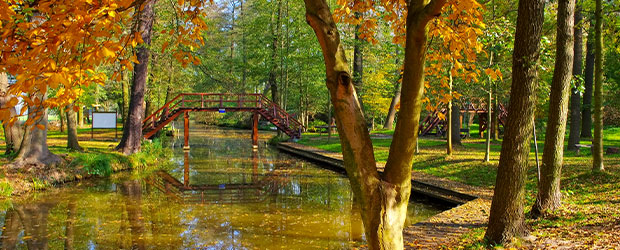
68, 40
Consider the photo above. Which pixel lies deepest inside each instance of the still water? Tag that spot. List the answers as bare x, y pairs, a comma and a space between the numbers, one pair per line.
219, 195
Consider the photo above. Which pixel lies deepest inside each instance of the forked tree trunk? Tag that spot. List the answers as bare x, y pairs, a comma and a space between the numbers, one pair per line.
132, 129
549, 197
507, 219
575, 98
383, 199
597, 140
72, 138
588, 82
34, 150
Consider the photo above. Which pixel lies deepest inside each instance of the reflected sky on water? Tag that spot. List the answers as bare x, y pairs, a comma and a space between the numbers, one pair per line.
219, 195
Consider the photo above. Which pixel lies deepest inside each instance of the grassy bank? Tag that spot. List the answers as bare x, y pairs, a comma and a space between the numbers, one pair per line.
98, 159
591, 201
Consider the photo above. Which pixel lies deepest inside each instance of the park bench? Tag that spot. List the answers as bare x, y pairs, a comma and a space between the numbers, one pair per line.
579, 146
324, 129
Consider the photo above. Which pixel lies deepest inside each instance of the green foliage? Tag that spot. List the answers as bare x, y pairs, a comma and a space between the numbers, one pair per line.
38, 184
312, 126
99, 164
152, 154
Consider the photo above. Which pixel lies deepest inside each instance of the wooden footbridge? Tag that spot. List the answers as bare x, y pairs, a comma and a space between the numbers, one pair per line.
257, 104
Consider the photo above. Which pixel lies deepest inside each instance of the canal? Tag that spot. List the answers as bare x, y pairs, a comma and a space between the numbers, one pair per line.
219, 195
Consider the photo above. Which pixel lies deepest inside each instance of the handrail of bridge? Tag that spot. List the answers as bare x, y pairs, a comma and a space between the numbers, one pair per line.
223, 100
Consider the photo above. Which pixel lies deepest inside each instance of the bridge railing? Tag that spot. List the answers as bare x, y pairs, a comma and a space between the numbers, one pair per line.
237, 102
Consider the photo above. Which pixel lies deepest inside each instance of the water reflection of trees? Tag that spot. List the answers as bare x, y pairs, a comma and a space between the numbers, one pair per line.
31, 219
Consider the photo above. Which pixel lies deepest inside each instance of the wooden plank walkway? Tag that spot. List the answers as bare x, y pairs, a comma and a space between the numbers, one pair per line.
440, 231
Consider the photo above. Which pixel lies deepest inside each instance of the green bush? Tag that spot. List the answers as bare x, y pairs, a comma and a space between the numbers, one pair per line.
96, 163
312, 126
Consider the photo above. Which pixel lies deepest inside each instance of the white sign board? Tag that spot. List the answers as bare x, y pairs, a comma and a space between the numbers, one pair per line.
104, 120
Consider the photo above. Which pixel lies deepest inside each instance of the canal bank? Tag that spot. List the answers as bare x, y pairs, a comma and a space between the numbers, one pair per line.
221, 194
472, 204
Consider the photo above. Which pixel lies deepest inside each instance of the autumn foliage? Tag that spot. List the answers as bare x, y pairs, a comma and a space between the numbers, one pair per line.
59, 45
454, 42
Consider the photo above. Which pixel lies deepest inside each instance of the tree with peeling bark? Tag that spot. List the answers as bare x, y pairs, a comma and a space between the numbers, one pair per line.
549, 196
507, 219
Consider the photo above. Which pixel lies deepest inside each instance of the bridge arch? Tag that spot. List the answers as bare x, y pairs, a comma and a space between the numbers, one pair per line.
257, 104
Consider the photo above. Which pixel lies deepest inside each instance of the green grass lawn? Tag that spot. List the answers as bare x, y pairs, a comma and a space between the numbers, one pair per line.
591, 200
98, 158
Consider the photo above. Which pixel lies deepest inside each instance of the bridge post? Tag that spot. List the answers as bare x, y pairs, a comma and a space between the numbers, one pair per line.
186, 130
255, 130
186, 169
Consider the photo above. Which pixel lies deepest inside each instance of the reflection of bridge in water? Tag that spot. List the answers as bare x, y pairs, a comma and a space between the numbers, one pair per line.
257, 190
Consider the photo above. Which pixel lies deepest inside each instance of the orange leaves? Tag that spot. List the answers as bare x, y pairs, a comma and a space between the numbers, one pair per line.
63, 46
494, 74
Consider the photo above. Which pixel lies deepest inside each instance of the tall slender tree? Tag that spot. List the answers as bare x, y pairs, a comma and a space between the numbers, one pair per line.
549, 196
575, 98
597, 140
132, 130
507, 218
588, 81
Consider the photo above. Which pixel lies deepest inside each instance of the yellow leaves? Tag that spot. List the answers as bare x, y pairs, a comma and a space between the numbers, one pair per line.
107, 52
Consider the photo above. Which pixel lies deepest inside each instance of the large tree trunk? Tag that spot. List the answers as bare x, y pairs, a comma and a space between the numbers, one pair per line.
549, 197
383, 199
575, 98
72, 138
33, 149
12, 131
507, 219
586, 108
597, 140
132, 129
